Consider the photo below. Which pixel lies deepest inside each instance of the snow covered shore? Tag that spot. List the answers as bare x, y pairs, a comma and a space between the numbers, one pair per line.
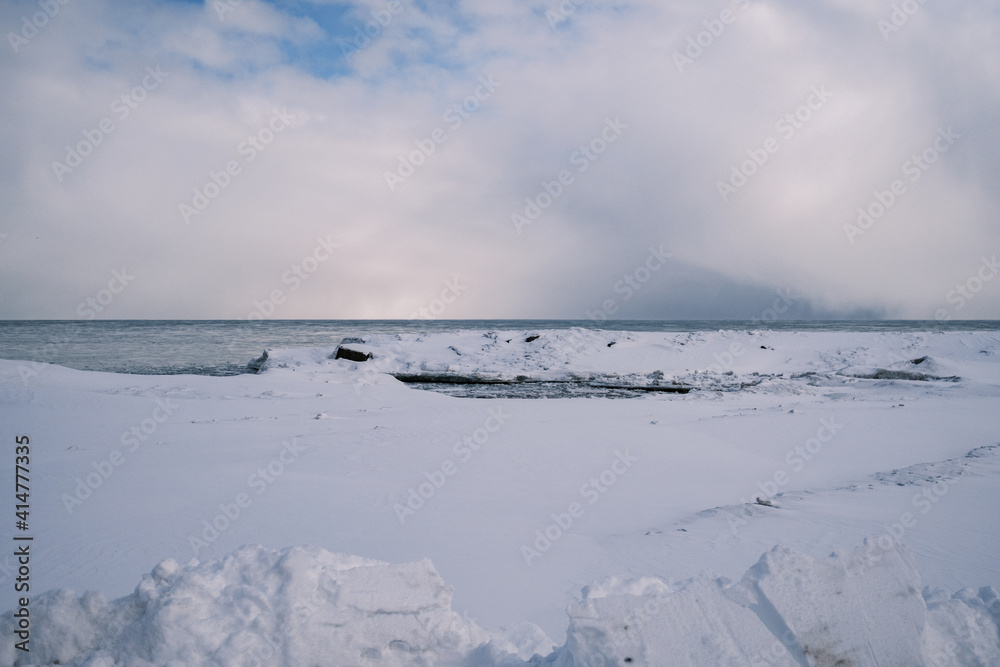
811, 442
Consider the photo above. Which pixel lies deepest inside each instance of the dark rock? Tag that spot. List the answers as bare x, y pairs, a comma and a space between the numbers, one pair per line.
919, 360
351, 355
531, 338
257, 363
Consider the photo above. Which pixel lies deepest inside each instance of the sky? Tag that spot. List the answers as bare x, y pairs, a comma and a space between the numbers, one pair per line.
631, 159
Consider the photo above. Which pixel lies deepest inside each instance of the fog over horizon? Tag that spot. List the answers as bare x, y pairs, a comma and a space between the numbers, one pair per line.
555, 160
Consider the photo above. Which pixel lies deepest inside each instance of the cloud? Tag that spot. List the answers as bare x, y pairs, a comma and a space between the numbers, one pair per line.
410, 96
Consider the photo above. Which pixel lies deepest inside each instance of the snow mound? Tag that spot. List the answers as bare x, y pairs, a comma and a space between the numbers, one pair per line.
937, 472
299, 606
581, 362
920, 369
545, 364
307, 606
865, 608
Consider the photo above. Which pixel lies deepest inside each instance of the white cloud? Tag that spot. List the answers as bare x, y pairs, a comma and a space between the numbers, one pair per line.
657, 184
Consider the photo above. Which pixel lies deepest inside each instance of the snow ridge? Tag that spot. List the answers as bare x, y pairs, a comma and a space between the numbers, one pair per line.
583, 362
307, 606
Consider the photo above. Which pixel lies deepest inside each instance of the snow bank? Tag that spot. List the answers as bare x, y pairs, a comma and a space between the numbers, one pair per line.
307, 606
756, 361
299, 606
789, 609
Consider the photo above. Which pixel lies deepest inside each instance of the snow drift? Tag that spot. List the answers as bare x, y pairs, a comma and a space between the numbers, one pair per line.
580, 362
299, 606
307, 606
